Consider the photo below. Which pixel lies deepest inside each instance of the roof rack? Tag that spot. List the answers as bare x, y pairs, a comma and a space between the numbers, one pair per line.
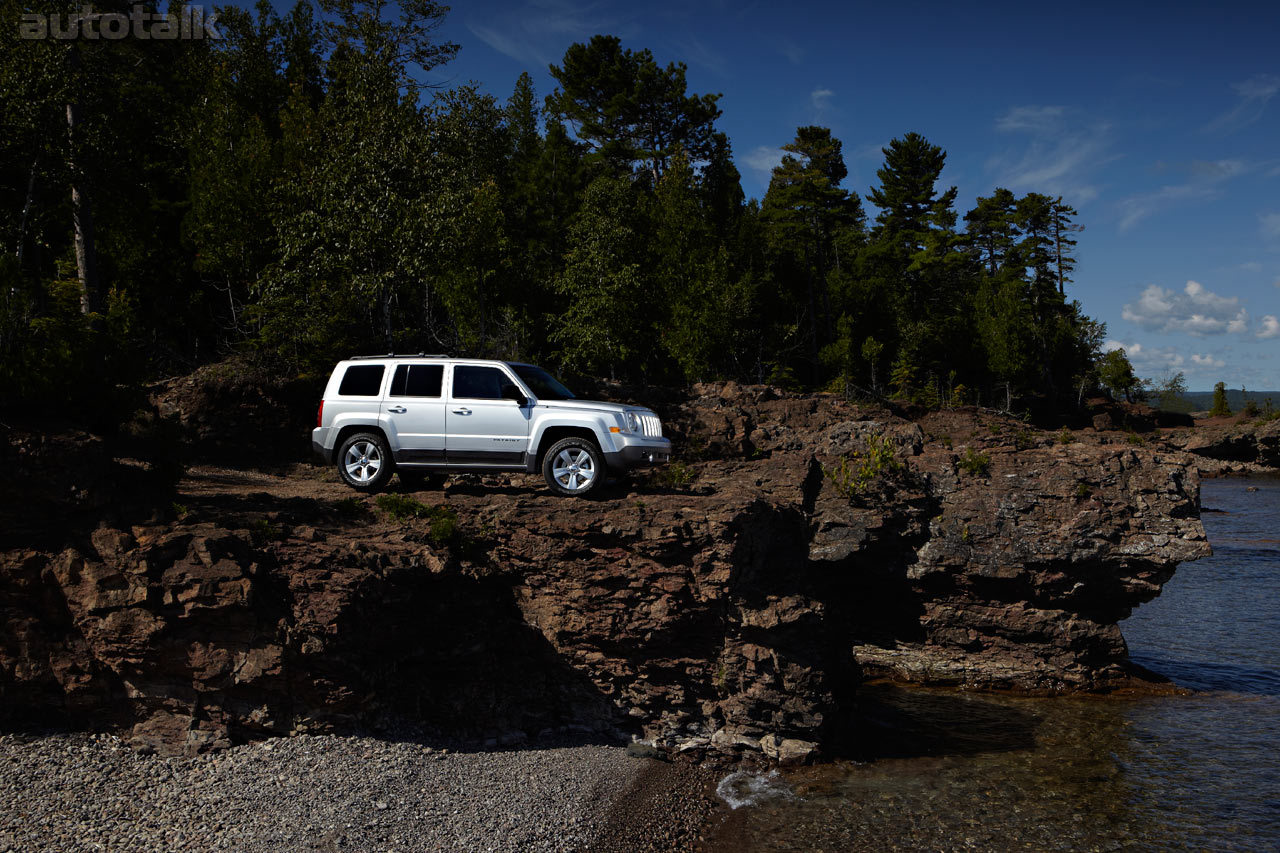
402, 355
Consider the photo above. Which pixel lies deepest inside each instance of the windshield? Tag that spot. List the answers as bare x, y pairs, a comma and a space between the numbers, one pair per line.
543, 385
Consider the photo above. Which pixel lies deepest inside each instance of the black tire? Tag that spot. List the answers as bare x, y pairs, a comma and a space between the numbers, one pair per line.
364, 462
417, 479
573, 458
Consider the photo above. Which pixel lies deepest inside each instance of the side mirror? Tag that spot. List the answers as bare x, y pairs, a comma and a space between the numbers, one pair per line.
511, 392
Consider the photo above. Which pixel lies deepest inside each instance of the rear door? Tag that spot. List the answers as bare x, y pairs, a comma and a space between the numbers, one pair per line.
483, 428
415, 408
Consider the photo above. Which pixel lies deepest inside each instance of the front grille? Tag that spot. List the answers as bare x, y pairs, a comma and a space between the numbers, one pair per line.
651, 426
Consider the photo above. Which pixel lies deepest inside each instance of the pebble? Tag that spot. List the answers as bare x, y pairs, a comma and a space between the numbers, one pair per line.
83, 792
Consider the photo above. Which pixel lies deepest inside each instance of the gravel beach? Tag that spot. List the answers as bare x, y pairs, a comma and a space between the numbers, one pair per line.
72, 792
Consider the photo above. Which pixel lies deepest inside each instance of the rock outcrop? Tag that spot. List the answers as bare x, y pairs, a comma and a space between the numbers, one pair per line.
817, 543
1245, 442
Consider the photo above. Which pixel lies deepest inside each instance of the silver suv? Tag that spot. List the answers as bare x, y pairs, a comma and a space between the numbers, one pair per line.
431, 414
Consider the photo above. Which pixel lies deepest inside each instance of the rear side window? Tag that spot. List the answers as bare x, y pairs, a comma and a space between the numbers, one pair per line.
361, 380
478, 383
417, 380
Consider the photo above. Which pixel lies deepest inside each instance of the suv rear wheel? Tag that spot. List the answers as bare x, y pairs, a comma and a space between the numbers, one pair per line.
364, 462
573, 467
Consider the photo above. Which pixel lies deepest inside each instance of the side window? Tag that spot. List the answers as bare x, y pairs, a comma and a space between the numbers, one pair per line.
362, 380
417, 380
478, 383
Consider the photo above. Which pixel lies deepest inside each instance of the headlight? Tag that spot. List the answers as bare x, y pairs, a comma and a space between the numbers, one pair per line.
633, 422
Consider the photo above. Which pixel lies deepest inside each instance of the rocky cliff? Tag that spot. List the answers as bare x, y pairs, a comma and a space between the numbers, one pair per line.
1246, 445
730, 604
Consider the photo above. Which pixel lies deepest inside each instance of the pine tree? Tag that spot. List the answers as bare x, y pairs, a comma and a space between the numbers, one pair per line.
907, 196
630, 111
1220, 408
1061, 227
603, 326
805, 209
992, 229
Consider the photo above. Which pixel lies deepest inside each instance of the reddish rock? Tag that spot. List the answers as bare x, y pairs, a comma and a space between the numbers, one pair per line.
737, 614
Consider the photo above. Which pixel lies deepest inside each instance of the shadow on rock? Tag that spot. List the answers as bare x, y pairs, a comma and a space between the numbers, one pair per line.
894, 722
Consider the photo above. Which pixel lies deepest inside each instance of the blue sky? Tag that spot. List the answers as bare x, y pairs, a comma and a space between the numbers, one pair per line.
1160, 123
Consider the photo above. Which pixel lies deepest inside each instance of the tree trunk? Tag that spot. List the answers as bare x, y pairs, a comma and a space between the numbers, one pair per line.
26, 212
385, 299
1057, 246
82, 211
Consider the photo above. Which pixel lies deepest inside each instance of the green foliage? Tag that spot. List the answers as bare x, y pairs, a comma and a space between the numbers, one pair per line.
1065, 436
721, 679
1168, 393
66, 361
601, 327
1220, 407
1083, 490
851, 477
1116, 374
296, 194
263, 530
629, 110
675, 475
400, 507
1134, 438
902, 377
442, 521
1023, 438
975, 462
351, 507
1250, 409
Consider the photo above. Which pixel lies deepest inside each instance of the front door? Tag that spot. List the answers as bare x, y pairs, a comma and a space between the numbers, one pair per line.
483, 428
415, 407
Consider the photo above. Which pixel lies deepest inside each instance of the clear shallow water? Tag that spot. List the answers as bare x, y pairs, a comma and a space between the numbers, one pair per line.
966, 772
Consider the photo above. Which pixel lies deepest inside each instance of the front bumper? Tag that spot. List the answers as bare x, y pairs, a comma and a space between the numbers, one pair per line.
638, 452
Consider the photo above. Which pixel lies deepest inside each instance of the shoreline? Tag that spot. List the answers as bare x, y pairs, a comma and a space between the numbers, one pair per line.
668, 806
83, 791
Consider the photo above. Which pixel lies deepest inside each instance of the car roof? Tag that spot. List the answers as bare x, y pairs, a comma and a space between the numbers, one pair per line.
421, 357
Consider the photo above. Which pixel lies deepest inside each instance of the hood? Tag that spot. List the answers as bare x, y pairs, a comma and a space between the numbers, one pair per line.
590, 405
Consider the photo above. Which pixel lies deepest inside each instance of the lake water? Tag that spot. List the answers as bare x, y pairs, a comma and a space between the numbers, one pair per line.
960, 771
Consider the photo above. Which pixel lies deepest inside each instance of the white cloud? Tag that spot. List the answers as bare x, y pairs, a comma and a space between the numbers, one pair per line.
792, 51
1138, 207
538, 31
1206, 176
1270, 224
1207, 361
870, 151
820, 98
1251, 266
698, 52
1145, 359
763, 158
1252, 97
1061, 155
1270, 327
1196, 311
1041, 119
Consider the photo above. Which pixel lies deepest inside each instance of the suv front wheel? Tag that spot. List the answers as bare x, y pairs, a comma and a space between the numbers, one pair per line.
364, 462
573, 467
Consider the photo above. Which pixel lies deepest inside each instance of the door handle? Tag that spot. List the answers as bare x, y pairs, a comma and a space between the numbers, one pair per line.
399, 410
463, 411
